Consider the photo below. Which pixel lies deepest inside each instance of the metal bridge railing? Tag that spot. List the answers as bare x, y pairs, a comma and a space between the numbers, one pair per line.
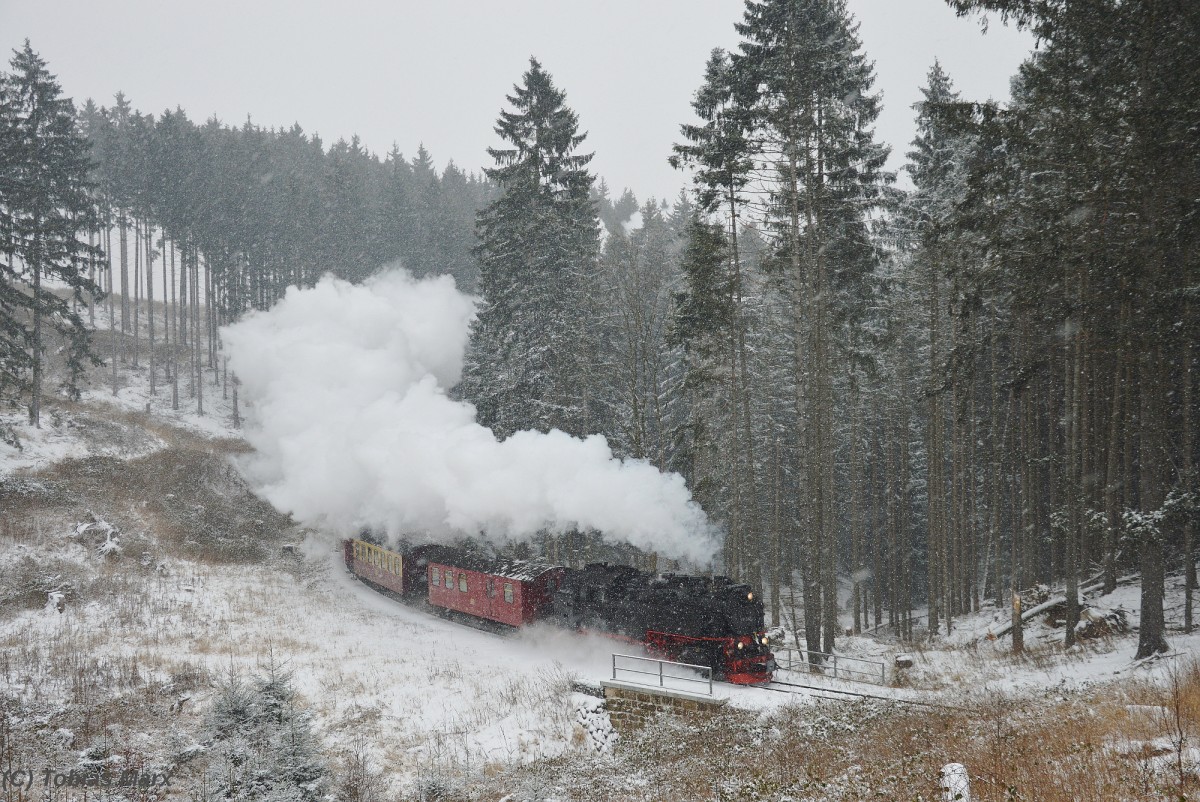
664, 674
803, 661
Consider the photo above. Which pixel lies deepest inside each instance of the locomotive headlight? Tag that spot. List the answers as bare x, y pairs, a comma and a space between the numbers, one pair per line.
749, 597
765, 640
741, 646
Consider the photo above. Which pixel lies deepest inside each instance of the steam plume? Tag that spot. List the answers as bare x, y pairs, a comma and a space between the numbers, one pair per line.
347, 411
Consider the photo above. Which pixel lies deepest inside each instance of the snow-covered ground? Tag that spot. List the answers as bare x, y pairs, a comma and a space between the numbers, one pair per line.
428, 694
428, 697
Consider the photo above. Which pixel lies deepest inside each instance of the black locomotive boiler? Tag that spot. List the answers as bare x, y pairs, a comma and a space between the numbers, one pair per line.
708, 621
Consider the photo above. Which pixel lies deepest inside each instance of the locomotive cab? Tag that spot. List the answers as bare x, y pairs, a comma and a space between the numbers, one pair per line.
748, 658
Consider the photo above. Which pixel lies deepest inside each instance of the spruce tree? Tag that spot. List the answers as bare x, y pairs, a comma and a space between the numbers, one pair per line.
1092, 223
807, 84
528, 357
937, 164
703, 315
263, 745
640, 273
15, 347
48, 205
719, 152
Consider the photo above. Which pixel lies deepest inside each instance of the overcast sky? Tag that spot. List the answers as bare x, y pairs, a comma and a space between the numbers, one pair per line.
437, 71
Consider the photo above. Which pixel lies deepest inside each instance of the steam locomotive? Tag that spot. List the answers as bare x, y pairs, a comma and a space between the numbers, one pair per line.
708, 621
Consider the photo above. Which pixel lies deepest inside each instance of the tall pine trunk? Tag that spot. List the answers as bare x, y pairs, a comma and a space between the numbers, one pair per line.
1190, 478
35, 267
150, 300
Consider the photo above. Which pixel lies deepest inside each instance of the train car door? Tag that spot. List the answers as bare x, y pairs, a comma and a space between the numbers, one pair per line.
489, 594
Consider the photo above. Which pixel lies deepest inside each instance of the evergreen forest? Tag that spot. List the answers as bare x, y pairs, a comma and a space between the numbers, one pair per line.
922, 396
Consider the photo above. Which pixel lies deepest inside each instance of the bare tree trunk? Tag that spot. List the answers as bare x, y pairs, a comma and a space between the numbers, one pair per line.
952, 604
112, 315
801, 281
878, 527
1086, 432
750, 549
895, 563
166, 290
92, 278
198, 367
187, 284
1021, 517
734, 547
1071, 496
776, 539
1189, 473
35, 267
183, 318
211, 308
905, 538
1113, 478
858, 502
123, 228
999, 443
972, 586
933, 450
823, 409
1151, 483
173, 351
137, 290
150, 297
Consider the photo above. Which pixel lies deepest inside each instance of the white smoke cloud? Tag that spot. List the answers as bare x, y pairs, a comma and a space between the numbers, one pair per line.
347, 411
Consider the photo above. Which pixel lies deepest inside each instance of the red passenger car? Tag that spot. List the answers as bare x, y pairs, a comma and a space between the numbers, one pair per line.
512, 592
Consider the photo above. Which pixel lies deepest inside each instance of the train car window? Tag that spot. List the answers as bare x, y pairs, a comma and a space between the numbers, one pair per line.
462, 583
508, 592
450, 580
435, 575
490, 586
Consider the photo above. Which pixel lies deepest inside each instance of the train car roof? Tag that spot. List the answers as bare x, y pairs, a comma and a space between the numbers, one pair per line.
507, 568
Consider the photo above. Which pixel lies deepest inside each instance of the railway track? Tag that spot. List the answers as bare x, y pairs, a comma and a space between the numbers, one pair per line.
846, 696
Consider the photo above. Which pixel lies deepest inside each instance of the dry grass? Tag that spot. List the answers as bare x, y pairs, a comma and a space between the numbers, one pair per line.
128, 675
1074, 748
188, 499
